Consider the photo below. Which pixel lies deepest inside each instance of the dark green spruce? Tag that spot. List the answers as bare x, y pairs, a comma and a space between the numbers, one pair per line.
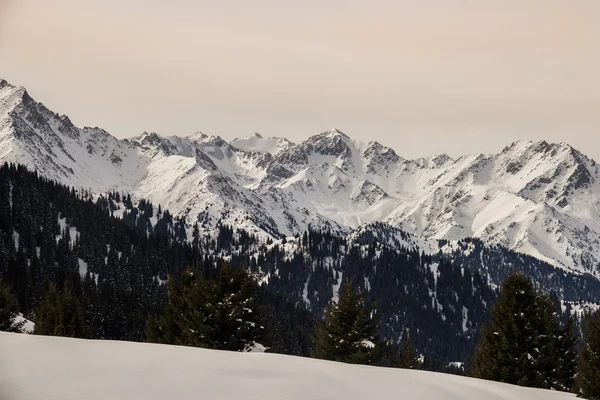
523, 344
349, 332
587, 382
216, 313
59, 314
9, 310
408, 355
566, 357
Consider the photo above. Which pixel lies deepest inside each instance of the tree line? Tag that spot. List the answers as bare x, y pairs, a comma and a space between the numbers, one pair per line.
524, 343
104, 262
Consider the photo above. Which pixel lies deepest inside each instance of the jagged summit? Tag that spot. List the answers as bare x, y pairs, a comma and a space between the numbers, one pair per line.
541, 147
330, 134
4, 85
334, 132
11, 95
535, 197
196, 136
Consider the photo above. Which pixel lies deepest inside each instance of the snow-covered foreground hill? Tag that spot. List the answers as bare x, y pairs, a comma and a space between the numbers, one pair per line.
49, 368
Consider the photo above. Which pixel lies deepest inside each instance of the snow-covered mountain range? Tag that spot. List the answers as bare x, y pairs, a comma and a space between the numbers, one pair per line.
539, 198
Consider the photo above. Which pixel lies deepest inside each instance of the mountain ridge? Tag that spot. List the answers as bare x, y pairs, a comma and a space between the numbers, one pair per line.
538, 198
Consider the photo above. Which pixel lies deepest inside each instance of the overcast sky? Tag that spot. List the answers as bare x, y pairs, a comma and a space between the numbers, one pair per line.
423, 76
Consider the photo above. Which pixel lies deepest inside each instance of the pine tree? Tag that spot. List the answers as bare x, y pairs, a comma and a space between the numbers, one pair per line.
60, 314
234, 313
349, 333
8, 310
408, 355
545, 351
166, 328
217, 314
587, 382
519, 344
566, 355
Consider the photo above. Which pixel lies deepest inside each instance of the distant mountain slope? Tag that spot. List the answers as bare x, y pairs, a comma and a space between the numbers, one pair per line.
118, 254
37, 367
538, 198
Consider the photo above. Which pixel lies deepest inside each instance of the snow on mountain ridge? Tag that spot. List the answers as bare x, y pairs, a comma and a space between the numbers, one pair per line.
257, 143
539, 198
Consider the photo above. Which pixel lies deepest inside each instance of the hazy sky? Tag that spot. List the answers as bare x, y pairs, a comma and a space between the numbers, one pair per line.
423, 76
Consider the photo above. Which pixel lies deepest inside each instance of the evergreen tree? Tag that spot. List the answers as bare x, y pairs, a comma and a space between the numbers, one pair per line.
349, 333
234, 313
166, 328
8, 310
556, 347
587, 382
289, 328
60, 314
217, 314
408, 355
519, 345
566, 357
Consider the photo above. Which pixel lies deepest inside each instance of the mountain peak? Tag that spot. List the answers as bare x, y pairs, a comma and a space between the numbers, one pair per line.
12, 95
4, 84
149, 135
215, 140
196, 136
335, 132
330, 136
440, 159
254, 136
539, 146
549, 150
381, 153
332, 142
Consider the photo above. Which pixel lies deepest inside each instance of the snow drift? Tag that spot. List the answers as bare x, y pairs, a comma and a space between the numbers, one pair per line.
36, 367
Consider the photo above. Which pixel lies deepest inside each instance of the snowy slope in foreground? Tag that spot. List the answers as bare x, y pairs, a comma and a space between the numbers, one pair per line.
35, 367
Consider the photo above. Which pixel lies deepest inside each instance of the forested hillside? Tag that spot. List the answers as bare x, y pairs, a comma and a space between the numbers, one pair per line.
116, 256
